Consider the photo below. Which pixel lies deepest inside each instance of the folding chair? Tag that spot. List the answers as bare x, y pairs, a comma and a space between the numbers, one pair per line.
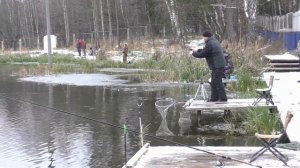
269, 142
265, 93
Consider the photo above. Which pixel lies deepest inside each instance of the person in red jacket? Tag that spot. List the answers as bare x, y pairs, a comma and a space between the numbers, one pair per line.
83, 46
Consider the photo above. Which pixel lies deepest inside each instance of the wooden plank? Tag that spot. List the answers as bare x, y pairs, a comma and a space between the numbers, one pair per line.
282, 69
183, 157
283, 57
231, 104
133, 161
286, 91
284, 64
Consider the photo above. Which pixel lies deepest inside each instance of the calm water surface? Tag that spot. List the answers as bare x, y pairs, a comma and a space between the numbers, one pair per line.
34, 136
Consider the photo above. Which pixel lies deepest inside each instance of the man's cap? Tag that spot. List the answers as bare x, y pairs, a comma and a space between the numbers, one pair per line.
206, 34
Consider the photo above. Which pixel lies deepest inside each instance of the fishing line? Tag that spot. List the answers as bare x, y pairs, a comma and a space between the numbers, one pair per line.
132, 131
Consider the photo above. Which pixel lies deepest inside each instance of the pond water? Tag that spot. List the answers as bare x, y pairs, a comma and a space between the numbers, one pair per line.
47, 124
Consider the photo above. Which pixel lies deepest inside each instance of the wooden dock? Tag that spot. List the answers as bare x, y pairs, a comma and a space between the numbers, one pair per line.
183, 157
282, 63
285, 91
197, 107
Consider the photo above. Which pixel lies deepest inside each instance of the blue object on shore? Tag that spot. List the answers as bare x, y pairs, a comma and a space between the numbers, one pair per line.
233, 78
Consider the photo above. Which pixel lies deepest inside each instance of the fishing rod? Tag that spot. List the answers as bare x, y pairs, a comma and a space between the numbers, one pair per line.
132, 131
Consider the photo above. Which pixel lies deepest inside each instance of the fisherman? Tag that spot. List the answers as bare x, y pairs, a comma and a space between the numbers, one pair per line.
125, 53
215, 59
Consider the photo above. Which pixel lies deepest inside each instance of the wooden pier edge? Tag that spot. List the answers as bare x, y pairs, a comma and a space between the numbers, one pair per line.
133, 161
196, 107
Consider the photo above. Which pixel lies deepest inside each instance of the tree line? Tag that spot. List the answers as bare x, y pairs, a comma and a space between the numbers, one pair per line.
110, 20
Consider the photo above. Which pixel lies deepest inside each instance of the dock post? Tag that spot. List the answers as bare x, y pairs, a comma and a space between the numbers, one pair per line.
125, 141
140, 103
199, 118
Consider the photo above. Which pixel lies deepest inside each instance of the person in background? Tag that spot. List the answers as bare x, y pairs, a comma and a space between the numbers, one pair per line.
83, 46
228, 69
215, 59
125, 53
78, 46
92, 52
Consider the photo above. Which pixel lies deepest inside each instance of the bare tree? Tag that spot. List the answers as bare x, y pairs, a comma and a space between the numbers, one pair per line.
171, 6
124, 14
251, 12
230, 19
109, 22
36, 22
66, 21
96, 24
117, 22
102, 20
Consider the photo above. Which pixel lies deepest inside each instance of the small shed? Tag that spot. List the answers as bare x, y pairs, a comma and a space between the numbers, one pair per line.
53, 42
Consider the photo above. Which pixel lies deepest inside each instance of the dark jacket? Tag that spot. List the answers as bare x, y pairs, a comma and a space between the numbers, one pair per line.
213, 54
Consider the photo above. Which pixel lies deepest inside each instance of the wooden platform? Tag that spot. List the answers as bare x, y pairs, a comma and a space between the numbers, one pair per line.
196, 105
184, 157
282, 63
286, 91
282, 58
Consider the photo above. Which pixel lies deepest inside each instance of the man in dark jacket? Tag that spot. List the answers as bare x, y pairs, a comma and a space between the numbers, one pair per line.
213, 54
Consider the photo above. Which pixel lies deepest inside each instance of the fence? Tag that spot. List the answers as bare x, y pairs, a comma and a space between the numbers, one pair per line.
288, 39
276, 23
285, 29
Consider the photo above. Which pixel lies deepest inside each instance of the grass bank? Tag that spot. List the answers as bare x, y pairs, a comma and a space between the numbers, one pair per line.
177, 68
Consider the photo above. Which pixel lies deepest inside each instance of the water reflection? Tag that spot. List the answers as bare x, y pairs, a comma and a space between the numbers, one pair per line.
51, 150
32, 136
184, 120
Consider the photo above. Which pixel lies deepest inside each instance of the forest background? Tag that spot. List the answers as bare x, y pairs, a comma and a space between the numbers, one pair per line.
111, 22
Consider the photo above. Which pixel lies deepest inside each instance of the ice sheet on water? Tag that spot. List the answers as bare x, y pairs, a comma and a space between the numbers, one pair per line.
77, 79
